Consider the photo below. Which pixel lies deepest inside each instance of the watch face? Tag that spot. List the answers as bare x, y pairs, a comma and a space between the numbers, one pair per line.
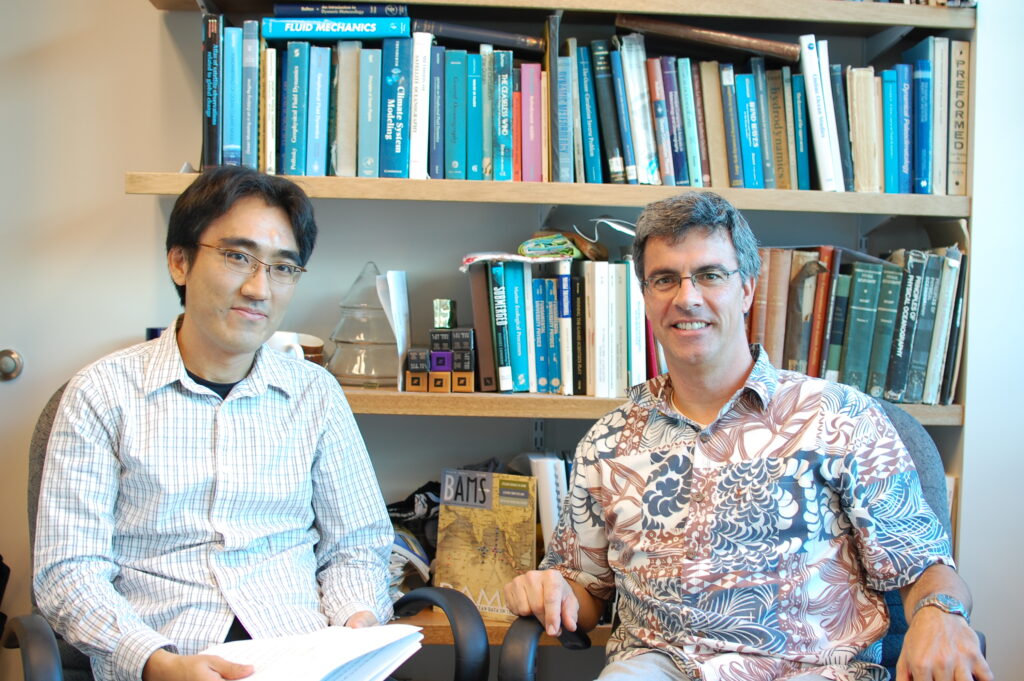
945, 602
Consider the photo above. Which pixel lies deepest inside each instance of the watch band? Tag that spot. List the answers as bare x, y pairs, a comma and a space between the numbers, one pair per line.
944, 602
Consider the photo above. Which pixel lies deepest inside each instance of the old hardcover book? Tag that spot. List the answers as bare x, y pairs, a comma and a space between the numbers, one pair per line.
759, 309
865, 284
959, 117
865, 144
912, 262
837, 327
921, 347
714, 122
778, 294
486, 535
944, 307
778, 134
702, 135
819, 320
803, 280
885, 325
479, 291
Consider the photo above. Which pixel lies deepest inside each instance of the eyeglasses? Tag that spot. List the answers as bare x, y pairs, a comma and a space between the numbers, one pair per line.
669, 282
244, 263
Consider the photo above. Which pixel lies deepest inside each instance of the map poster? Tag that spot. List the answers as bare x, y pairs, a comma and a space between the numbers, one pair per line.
486, 535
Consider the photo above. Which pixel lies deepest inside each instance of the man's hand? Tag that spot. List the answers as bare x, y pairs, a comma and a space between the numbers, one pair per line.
941, 646
546, 595
363, 618
166, 666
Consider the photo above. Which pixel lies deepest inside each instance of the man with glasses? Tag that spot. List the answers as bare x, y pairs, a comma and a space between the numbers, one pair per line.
202, 487
745, 518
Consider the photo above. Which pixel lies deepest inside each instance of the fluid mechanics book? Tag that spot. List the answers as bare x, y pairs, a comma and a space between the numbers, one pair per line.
486, 535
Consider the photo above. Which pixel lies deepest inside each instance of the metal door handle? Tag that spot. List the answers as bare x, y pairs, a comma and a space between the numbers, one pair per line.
11, 365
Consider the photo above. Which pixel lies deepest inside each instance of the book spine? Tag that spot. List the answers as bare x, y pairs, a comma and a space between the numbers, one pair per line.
790, 126
906, 326
750, 130
819, 320
800, 309
438, 98
515, 301
757, 71
588, 118
502, 333
455, 114
730, 112
369, 112
474, 118
952, 363
622, 110
231, 112
268, 111
714, 117
861, 314
563, 123
817, 119
636, 333
554, 336
891, 131
885, 327
551, 68
842, 124
317, 111
213, 71
343, 151
674, 110
959, 105
662, 136
702, 136
295, 106
532, 122
480, 296
943, 320
502, 117
803, 157
830, 114
605, 93
940, 112
923, 127
517, 124
777, 136
840, 304
638, 101
688, 112
337, 9
529, 330
487, 110
476, 34
540, 335
905, 107
775, 309
759, 308
576, 118
370, 28
566, 313
925, 328
580, 355
250, 93
418, 141
396, 84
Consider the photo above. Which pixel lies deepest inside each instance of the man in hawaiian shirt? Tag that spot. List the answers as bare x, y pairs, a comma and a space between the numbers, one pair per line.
748, 518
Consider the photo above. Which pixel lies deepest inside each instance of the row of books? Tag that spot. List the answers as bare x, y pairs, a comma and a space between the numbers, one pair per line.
890, 328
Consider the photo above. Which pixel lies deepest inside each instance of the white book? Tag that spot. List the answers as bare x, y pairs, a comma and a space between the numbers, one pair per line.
268, 119
817, 120
531, 329
590, 319
552, 488
419, 108
943, 318
604, 329
329, 654
830, 114
636, 331
940, 113
619, 365
563, 290
638, 102
346, 108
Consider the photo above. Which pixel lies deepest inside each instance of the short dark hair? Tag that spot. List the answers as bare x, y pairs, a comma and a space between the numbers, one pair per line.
216, 190
672, 218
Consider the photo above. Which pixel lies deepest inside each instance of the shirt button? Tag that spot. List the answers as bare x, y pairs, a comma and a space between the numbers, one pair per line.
699, 497
692, 555
705, 436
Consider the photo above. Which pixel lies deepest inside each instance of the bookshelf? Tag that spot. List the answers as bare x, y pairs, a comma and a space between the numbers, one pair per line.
866, 20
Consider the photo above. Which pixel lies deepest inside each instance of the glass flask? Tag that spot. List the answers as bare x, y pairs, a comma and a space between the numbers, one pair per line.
365, 352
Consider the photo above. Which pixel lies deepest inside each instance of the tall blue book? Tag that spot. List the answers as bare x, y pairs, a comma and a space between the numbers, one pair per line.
674, 110
731, 114
396, 81
750, 132
518, 336
589, 115
621, 108
317, 111
923, 127
501, 111
455, 114
554, 333
803, 159
232, 111
474, 117
540, 334
757, 71
691, 135
368, 127
294, 106
905, 104
605, 93
250, 93
435, 136
347, 28
890, 132
563, 123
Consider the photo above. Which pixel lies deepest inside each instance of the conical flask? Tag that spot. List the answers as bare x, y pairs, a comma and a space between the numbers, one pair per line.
365, 352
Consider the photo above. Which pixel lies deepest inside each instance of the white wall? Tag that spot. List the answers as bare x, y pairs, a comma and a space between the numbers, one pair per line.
91, 90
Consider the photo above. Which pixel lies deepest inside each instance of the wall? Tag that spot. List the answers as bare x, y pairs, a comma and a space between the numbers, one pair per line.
86, 99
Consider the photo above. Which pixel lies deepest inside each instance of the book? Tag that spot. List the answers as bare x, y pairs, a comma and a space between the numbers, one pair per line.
487, 110
294, 106
690, 159
267, 145
885, 327
802, 285
566, 315
368, 126
418, 142
840, 107
919, 350
480, 297
817, 116
604, 91
327, 654
554, 335
622, 110
674, 111
552, 488
517, 324
344, 151
800, 127
865, 146
533, 115
750, 132
638, 103
935, 49
438, 97
338, 9
905, 111
250, 93
778, 137
830, 115
588, 118
731, 123
500, 323
702, 135
837, 328
758, 316
819, 318
662, 135
328, 28
922, 172
474, 118
477, 35
763, 46
501, 136
951, 370
635, 331
212, 68
580, 352
786, 78
530, 328
780, 263
396, 81
317, 110
714, 117
551, 68
890, 132
231, 114
455, 123
948, 282
841, 259
540, 334
576, 115
757, 72
517, 124
912, 262
618, 281
486, 535
959, 117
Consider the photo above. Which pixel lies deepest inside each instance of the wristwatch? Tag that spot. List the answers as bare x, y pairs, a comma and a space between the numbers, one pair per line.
944, 602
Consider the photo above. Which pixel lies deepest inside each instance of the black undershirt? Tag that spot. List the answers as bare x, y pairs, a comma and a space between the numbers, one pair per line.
221, 389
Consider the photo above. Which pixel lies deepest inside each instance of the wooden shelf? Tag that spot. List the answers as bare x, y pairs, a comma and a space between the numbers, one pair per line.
530, 405
579, 194
821, 11
437, 632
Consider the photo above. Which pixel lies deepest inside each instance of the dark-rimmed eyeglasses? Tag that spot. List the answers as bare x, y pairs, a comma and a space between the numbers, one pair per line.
246, 263
669, 282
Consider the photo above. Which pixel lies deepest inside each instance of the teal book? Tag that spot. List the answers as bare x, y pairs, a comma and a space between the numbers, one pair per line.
768, 160
890, 132
734, 153
499, 320
436, 134
621, 108
518, 335
885, 327
474, 118
455, 114
837, 328
368, 126
317, 111
750, 132
295, 90
674, 108
502, 117
563, 124
329, 28
232, 112
691, 137
803, 158
922, 174
554, 334
250, 93
540, 335
396, 84
842, 123
589, 117
865, 283
921, 347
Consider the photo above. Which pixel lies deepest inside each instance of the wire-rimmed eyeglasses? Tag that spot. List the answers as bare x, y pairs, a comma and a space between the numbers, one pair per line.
669, 282
246, 263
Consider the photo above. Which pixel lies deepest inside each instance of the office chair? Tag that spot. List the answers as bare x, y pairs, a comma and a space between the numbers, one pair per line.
518, 657
47, 657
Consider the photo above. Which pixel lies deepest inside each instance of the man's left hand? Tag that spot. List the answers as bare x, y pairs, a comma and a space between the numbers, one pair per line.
363, 618
940, 646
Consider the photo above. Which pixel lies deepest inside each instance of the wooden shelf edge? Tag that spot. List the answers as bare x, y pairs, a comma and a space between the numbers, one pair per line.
579, 194
823, 11
436, 630
530, 405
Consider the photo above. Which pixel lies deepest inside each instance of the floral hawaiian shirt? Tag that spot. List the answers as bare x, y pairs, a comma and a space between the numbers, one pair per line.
754, 548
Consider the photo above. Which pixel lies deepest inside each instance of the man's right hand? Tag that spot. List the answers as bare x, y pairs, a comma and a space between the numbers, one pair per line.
166, 666
546, 595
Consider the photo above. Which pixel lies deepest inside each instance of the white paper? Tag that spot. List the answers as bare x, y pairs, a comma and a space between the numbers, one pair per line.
393, 291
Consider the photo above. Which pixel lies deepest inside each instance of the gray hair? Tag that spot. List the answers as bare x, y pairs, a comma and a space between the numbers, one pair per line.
672, 218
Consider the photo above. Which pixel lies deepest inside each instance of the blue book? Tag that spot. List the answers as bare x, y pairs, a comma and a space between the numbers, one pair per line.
435, 136
803, 159
923, 127
250, 93
474, 118
674, 110
349, 28
688, 105
518, 337
554, 340
619, 81
905, 104
232, 112
563, 124
730, 113
337, 9
502, 117
455, 115
500, 321
317, 111
767, 150
890, 132
750, 131
396, 81
588, 113
294, 104
368, 126
540, 335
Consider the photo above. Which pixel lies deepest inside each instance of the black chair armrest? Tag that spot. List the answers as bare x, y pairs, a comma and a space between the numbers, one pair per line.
517, 660
40, 658
472, 653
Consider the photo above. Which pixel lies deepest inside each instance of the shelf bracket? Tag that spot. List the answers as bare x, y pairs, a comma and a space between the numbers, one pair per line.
883, 40
538, 435
208, 6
